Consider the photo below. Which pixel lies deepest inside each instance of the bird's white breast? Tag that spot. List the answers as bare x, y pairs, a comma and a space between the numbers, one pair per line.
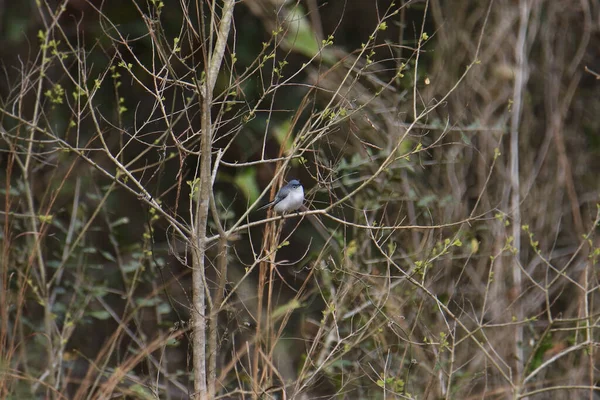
292, 202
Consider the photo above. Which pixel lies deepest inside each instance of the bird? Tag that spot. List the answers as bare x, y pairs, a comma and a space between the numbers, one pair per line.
289, 198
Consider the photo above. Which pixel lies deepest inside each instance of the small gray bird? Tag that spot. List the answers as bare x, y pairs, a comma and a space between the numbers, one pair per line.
289, 198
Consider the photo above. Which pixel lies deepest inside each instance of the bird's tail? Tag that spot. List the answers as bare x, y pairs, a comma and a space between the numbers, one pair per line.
266, 206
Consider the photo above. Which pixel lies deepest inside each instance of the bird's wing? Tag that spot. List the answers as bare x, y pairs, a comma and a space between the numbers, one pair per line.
282, 194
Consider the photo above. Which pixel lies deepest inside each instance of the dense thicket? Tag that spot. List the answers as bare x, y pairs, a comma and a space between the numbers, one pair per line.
448, 248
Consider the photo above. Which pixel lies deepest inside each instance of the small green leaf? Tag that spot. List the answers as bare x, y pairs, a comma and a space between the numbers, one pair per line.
107, 255
120, 221
101, 315
284, 309
45, 219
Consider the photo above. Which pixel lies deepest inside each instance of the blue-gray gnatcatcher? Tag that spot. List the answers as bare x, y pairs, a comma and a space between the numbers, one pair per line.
289, 198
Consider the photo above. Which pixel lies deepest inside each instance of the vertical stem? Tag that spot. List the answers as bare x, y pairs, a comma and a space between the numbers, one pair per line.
257, 342
36, 241
6, 348
199, 322
214, 316
589, 338
265, 278
199, 289
515, 200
